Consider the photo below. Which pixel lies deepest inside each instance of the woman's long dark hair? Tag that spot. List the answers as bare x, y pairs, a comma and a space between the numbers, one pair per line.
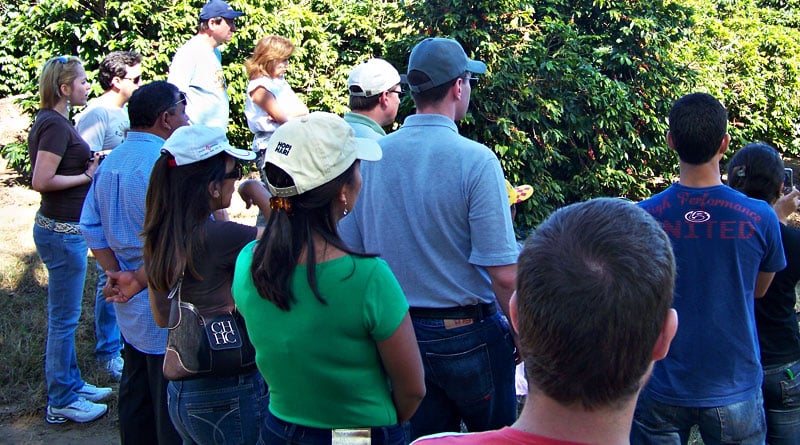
757, 171
177, 208
276, 254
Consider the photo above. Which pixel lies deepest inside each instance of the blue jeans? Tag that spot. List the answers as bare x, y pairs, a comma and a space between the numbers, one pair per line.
106, 330
64, 255
275, 431
218, 410
782, 403
469, 376
737, 423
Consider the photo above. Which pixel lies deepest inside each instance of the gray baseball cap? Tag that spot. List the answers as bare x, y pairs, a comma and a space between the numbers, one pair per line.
442, 60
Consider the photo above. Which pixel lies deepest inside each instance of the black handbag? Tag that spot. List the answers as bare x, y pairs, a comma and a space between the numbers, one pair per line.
199, 346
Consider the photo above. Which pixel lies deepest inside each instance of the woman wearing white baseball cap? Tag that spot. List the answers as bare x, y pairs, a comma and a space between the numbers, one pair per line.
187, 250
330, 326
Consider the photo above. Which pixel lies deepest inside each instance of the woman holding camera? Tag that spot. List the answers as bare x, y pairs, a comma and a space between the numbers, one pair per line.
62, 170
758, 171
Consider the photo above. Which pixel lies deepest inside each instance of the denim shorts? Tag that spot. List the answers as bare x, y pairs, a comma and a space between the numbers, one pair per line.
275, 431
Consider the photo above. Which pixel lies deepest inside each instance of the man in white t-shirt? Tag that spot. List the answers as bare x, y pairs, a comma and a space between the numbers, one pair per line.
104, 121
197, 66
103, 124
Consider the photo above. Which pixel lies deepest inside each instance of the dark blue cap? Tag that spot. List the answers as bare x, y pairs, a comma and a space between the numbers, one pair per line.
218, 8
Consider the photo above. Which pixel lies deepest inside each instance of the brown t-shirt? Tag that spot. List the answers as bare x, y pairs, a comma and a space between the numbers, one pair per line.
224, 240
52, 132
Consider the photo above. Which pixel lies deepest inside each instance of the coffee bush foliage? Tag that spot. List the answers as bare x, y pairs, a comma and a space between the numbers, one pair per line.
574, 101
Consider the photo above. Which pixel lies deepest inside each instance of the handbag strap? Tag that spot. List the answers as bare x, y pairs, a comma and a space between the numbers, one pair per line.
175, 307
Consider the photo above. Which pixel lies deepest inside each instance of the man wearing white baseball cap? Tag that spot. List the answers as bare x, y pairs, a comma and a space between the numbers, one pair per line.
339, 351
451, 246
375, 95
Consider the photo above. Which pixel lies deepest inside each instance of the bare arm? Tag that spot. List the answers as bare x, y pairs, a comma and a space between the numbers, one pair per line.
106, 259
400, 356
763, 280
786, 205
109, 263
45, 179
504, 283
160, 305
254, 192
269, 103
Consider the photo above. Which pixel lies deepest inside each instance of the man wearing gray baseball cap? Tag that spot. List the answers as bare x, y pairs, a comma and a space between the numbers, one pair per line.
451, 246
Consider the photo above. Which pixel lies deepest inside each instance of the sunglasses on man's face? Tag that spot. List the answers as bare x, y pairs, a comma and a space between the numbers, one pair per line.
181, 99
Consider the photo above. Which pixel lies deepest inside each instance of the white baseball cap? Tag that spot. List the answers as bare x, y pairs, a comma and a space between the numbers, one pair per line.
315, 149
194, 143
371, 78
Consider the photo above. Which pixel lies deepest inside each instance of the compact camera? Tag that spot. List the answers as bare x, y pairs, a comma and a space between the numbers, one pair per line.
102, 153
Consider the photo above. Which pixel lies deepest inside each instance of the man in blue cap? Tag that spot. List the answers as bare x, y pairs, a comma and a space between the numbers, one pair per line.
458, 262
197, 66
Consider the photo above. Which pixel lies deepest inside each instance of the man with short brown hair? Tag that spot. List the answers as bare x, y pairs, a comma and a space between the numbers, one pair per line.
593, 313
451, 246
197, 66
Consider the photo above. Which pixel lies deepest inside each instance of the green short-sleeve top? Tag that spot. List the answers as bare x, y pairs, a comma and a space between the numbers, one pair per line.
320, 360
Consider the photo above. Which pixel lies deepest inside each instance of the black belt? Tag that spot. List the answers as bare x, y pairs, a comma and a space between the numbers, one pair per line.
476, 312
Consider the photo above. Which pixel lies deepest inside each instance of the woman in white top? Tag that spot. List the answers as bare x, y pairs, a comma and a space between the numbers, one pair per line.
270, 100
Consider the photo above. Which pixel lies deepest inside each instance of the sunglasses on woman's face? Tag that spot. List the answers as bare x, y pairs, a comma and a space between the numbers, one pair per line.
236, 173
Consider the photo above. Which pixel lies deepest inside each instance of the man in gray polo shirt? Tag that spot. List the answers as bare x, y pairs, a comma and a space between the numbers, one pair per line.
435, 208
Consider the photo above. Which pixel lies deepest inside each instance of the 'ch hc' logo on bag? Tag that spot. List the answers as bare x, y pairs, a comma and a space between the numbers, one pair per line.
224, 333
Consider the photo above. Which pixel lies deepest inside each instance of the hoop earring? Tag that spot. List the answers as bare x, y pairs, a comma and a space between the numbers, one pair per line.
69, 106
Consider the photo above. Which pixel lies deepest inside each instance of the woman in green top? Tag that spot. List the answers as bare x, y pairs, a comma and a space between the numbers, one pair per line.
331, 328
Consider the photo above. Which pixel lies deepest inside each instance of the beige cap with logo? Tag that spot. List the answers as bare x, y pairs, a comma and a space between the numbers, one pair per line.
315, 149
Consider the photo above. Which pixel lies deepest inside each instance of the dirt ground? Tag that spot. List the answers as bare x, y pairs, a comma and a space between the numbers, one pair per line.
18, 205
